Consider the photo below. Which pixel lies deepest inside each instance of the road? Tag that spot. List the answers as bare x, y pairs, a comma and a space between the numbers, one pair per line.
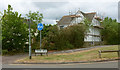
110, 64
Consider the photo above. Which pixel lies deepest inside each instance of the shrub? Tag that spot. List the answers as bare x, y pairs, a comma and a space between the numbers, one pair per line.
4, 52
67, 38
110, 33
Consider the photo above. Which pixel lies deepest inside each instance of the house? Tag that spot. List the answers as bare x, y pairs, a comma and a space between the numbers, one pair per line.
92, 37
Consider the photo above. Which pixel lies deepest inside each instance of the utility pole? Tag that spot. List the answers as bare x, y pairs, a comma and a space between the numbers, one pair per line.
30, 57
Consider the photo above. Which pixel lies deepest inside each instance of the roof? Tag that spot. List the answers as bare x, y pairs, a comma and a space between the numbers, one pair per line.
65, 20
71, 16
89, 16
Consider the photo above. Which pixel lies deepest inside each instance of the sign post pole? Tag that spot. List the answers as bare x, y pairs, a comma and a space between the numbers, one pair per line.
40, 27
41, 51
40, 39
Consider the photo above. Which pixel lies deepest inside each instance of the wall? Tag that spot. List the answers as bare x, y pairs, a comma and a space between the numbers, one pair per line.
90, 38
94, 31
95, 22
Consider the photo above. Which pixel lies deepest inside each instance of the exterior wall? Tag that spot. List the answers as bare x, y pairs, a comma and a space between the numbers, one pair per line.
95, 22
90, 38
94, 31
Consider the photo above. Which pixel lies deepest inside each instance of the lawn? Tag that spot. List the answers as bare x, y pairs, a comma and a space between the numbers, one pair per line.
86, 55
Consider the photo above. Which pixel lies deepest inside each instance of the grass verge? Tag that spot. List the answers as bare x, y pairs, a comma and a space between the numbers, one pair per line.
86, 55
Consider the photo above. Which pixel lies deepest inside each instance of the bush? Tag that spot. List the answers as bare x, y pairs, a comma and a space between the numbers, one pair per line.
110, 33
67, 38
4, 52
77, 34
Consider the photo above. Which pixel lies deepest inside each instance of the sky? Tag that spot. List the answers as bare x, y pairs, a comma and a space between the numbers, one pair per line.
53, 10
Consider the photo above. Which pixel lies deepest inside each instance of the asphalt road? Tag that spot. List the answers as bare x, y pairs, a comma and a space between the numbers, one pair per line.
110, 64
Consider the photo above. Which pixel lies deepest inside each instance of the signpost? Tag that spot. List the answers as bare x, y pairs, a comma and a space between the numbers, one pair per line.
41, 51
40, 27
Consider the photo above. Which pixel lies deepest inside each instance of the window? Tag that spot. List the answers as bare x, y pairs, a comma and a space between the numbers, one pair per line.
61, 27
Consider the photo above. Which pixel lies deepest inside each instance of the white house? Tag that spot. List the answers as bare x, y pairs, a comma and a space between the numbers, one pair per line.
93, 36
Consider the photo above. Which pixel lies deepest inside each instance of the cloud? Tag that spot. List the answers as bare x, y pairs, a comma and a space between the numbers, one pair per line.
21, 6
49, 21
57, 8
105, 9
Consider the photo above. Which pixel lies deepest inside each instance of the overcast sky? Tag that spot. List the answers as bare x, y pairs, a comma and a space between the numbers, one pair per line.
55, 9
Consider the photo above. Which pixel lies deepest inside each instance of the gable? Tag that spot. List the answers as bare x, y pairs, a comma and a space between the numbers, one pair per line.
80, 13
89, 17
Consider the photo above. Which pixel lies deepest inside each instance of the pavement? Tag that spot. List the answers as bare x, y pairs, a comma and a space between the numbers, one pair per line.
109, 64
12, 58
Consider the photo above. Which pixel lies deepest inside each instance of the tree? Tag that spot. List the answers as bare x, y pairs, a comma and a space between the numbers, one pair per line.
0, 31
35, 18
0, 26
14, 31
110, 31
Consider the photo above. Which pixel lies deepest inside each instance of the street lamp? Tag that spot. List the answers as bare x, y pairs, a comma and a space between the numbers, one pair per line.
30, 57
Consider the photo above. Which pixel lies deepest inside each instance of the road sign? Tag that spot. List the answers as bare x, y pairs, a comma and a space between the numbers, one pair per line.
40, 26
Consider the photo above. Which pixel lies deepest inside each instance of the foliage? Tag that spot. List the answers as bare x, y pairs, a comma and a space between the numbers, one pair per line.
77, 35
0, 31
35, 18
87, 23
48, 40
110, 31
44, 34
14, 31
67, 38
4, 52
